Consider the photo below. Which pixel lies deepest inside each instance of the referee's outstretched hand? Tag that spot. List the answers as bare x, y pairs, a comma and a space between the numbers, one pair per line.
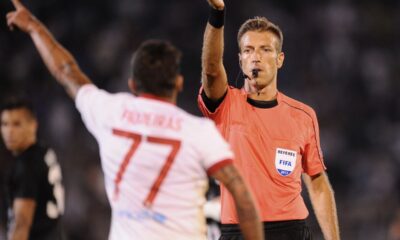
21, 18
217, 4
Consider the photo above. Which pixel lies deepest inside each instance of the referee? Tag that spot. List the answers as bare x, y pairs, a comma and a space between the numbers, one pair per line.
275, 138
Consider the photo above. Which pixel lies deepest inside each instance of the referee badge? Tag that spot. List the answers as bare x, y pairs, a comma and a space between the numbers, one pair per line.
285, 161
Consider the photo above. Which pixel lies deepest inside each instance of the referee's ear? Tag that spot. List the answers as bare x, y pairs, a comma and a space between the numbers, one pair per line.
280, 59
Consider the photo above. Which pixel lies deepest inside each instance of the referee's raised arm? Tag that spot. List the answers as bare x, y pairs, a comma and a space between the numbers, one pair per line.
214, 79
58, 60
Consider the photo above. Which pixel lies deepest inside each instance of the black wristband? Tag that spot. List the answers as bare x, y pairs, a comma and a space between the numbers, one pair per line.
216, 18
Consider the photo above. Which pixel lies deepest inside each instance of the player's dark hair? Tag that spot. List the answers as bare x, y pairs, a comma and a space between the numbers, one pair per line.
18, 102
261, 24
155, 66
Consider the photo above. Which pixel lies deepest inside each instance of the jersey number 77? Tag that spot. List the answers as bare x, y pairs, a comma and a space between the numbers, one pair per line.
137, 139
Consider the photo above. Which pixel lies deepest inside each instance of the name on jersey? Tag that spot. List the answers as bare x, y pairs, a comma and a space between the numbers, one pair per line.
285, 161
153, 120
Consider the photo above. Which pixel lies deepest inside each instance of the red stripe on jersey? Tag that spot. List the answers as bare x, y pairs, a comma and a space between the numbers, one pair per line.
211, 170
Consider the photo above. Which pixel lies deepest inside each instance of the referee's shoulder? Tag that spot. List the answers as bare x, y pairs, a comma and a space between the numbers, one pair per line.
297, 105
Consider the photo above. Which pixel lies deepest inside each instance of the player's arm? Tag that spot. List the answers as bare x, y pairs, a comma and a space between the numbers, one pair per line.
23, 209
323, 201
58, 60
214, 79
249, 220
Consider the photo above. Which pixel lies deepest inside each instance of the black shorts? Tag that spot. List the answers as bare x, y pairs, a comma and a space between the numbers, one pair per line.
281, 230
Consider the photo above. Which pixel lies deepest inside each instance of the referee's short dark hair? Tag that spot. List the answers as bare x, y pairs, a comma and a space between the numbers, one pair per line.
18, 102
155, 66
261, 24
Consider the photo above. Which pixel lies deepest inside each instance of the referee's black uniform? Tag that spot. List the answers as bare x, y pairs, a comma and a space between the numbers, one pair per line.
35, 174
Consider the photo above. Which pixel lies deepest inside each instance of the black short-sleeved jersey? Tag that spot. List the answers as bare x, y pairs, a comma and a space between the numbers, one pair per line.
36, 174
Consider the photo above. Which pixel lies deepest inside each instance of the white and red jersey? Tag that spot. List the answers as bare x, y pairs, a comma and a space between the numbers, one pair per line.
155, 158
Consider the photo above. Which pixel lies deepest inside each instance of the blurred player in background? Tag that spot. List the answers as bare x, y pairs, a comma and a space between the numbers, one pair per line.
275, 138
212, 210
155, 156
35, 194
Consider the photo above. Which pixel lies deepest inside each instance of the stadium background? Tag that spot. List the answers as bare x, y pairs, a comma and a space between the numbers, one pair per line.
342, 58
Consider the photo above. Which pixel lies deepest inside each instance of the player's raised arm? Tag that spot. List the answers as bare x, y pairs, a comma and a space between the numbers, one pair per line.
214, 79
249, 220
58, 60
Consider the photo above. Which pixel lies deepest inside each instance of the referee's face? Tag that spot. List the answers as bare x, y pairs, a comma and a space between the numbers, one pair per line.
18, 129
259, 51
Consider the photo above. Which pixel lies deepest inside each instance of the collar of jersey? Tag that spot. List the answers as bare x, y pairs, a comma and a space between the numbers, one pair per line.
262, 104
154, 97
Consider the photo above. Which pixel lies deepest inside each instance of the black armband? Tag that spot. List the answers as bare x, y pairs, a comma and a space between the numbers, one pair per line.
216, 18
